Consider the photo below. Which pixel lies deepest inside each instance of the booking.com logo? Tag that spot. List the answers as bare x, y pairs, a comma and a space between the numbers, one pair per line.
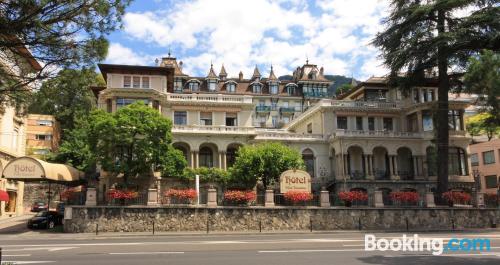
435, 245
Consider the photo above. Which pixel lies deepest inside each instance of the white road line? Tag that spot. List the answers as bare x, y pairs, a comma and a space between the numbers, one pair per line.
30, 261
144, 253
18, 255
310, 250
360, 245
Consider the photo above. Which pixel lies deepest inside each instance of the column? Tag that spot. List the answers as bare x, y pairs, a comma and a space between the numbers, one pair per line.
220, 160
346, 165
212, 197
152, 197
396, 167
197, 159
415, 166
91, 199
371, 165
367, 166
192, 159
224, 156
424, 167
391, 166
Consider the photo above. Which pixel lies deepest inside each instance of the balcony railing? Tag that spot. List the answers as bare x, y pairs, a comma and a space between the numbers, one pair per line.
212, 129
287, 110
363, 133
216, 98
316, 94
271, 134
263, 109
366, 104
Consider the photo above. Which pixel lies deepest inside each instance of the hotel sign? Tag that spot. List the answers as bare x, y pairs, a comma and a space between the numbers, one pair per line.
295, 180
24, 168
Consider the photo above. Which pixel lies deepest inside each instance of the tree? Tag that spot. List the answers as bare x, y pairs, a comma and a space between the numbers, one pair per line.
483, 78
131, 142
423, 35
58, 34
483, 123
67, 96
264, 162
343, 89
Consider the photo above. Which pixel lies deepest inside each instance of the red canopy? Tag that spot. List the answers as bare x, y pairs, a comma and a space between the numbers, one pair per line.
4, 196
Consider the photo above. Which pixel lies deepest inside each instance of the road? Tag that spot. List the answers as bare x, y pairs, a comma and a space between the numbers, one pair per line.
344, 248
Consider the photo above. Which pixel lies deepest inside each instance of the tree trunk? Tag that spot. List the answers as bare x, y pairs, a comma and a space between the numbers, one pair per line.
442, 114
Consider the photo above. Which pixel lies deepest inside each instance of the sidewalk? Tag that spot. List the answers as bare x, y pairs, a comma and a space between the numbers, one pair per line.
7, 222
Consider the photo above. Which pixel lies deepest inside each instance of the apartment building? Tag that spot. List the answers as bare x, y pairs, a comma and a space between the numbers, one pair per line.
43, 135
375, 137
485, 163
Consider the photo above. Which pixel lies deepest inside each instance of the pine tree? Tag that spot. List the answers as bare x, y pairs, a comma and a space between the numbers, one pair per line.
424, 35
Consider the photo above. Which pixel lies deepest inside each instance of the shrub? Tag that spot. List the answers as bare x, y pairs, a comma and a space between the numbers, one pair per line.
216, 175
458, 197
183, 194
404, 196
122, 194
240, 196
490, 199
353, 196
298, 196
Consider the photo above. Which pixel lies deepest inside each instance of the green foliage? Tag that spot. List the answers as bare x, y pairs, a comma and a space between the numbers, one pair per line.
208, 175
483, 78
264, 162
343, 89
132, 141
59, 34
483, 123
67, 95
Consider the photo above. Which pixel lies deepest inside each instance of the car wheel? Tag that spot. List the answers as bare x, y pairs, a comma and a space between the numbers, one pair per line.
51, 224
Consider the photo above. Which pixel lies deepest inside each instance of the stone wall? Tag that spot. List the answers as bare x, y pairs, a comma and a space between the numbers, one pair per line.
81, 219
37, 192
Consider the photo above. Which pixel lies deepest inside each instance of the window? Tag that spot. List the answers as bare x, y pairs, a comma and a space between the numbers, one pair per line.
180, 118
136, 82
274, 103
274, 120
290, 90
274, 88
388, 124
455, 120
456, 161
178, 85
212, 85
257, 88
206, 157
262, 102
310, 128
308, 157
416, 95
44, 123
122, 102
194, 86
412, 121
342, 123
43, 137
205, 118
359, 123
286, 120
231, 87
474, 160
40, 151
145, 82
231, 119
488, 157
491, 181
427, 123
371, 123
425, 95
127, 80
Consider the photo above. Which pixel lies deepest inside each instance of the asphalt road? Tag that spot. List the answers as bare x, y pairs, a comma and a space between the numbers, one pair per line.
301, 248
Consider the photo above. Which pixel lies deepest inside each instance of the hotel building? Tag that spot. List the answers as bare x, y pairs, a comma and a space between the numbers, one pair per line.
373, 138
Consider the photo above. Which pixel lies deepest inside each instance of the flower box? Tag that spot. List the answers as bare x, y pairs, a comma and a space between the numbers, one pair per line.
181, 196
405, 198
239, 197
298, 197
457, 198
353, 197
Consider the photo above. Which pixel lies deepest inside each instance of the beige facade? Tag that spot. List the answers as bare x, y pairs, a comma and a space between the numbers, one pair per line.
372, 138
485, 162
43, 135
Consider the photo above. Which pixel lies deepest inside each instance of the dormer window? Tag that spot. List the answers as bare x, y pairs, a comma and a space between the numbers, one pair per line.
212, 85
290, 89
257, 88
194, 86
273, 87
231, 87
178, 85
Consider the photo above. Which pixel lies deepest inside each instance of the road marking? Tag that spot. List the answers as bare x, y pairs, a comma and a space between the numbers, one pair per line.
310, 250
51, 249
18, 255
30, 261
360, 245
144, 253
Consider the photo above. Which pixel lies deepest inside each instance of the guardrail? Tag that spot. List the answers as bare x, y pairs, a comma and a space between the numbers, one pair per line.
212, 129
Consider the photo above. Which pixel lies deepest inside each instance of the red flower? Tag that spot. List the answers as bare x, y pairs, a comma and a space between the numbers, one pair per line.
404, 196
350, 196
122, 194
298, 196
240, 196
458, 197
189, 194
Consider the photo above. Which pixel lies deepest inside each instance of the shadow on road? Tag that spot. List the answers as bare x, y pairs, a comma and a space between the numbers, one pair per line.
429, 260
15, 229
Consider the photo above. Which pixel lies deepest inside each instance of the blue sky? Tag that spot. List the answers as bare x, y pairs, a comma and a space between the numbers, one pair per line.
243, 33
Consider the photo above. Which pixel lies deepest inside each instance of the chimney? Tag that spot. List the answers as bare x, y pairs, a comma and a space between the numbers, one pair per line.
180, 65
240, 75
321, 71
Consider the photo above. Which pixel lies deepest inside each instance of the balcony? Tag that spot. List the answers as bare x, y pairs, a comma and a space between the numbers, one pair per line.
316, 94
385, 134
287, 110
213, 129
263, 109
366, 104
277, 134
209, 98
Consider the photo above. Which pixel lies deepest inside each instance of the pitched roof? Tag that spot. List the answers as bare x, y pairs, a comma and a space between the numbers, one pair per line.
211, 73
223, 71
256, 72
272, 77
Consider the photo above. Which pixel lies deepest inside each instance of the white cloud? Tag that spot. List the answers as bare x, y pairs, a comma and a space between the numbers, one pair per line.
243, 33
118, 54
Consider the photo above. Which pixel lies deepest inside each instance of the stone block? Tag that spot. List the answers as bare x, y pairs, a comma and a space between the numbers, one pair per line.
324, 198
429, 199
269, 198
91, 199
152, 197
212, 197
378, 199
479, 201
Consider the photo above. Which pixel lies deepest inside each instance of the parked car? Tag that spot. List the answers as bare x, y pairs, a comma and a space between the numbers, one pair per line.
45, 219
39, 206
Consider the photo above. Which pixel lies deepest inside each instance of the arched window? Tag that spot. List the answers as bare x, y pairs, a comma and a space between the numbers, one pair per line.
273, 87
194, 86
308, 157
231, 87
257, 88
206, 157
457, 164
212, 85
231, 155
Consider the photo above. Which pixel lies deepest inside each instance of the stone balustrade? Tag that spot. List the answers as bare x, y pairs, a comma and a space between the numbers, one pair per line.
213, 129
364, 133
216, 98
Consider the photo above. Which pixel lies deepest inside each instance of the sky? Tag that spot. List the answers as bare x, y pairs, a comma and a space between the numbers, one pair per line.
240, 34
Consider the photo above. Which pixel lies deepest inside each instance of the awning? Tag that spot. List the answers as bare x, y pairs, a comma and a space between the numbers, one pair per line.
4, 196
29, 168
